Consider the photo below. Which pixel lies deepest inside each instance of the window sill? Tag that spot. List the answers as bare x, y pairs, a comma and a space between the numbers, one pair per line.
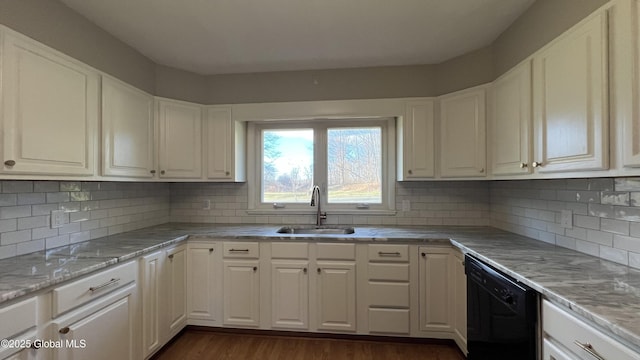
329, 212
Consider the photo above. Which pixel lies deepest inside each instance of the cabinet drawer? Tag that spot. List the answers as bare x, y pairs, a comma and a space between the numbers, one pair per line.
69, 296
389, 272
18, 318
336, 251
389, 253
394, 321
388, 294
288, 250
239, 249
552, 352
566, 329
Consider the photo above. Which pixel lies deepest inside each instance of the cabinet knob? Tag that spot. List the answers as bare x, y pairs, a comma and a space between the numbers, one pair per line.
523, 165
319, 270
536, 164
210, 250
35, 345
161, 172
227, 173
10, 162
255, 268
64, 330
410, 172
423, 254
152, 171
481, 170
304, 270
170, 256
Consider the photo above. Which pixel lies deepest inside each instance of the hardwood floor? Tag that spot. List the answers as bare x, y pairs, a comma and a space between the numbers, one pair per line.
198, 344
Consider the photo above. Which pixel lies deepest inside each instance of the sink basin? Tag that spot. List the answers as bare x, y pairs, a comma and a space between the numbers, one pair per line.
316, 230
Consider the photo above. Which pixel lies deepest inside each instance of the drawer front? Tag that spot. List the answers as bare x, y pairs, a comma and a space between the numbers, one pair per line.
288, 250
388, 294
336, 251
239, 249
18, 318
389, 253
395, 321
552, 352
69, 296
566, 329
389, 272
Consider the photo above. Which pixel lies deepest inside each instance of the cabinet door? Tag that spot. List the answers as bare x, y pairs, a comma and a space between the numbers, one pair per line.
176, 265
552, 352
241, 293
26, 354
180, 140
127, 130
50, 111
570, 100
435, 286
289, 294
462, 134
201, 282
625, 78
104, 335
225, 145
152, 296
336, 291
460, 298
511, 123
418, 141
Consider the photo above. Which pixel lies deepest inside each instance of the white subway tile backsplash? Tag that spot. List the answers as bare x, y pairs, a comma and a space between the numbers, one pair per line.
634, 260
626, 243
31, 198
615, 226
15, 187
13, 212
29, 246
32, 222
8, 225
600, 237
8, 199
14, 237
615, 255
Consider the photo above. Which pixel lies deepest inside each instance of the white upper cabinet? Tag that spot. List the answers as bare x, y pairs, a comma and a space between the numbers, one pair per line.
462, 133
180, 139
127, 130
511, 122
418, 140
570, 100
49, 113
225, 145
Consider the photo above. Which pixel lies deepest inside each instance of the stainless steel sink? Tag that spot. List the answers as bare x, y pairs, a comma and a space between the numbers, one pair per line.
316, 230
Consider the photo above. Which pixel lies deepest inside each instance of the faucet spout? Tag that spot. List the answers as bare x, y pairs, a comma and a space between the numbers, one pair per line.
315, 201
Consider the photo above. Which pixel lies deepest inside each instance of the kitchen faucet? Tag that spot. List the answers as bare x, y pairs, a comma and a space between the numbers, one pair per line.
315, 201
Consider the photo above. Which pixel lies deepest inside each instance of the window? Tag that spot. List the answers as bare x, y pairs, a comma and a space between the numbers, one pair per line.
348, 159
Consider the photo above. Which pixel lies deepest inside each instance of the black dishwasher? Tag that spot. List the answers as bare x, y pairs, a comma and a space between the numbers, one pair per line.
501, 315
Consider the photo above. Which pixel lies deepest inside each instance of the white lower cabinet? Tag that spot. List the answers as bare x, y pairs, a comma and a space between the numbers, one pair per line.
435, 286
241, 293
336, 291
460, 299
19, 322
203, 284
152, 296
176, 266
290, 294
565, 336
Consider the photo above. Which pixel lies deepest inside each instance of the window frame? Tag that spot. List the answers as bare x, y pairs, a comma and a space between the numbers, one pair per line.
320, 127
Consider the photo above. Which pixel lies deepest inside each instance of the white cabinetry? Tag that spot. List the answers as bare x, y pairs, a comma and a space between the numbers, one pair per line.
463, 133
418, 141
49, 113
571, 100
435, 286
565, 336
176, 265
203, 283
336, 289
153, 297
180, 139
19, 323
511, 122
127, 130
460, 299
241, 305
290, 285
225, 145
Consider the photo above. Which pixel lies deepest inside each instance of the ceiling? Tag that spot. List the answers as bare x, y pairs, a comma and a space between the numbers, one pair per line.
241, 36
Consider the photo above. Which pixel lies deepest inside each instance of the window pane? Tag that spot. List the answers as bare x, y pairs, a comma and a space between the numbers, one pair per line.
287, 165
355, 165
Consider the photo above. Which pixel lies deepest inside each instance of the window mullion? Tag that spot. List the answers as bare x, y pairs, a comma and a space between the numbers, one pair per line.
320, 160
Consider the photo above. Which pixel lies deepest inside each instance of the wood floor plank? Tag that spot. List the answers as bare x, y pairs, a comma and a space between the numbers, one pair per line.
197, 344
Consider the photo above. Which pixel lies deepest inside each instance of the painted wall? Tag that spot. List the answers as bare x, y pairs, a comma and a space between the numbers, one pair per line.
54, 24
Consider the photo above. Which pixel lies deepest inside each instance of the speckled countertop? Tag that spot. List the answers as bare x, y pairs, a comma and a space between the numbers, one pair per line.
604, 292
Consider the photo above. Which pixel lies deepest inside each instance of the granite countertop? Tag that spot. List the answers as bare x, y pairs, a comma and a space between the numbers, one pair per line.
604, 292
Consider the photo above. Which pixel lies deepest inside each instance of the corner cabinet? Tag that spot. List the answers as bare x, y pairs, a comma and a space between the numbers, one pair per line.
127, 131
571, 99
462, 134
179, 139
511, 122
418, 141
50, 111
225, 145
